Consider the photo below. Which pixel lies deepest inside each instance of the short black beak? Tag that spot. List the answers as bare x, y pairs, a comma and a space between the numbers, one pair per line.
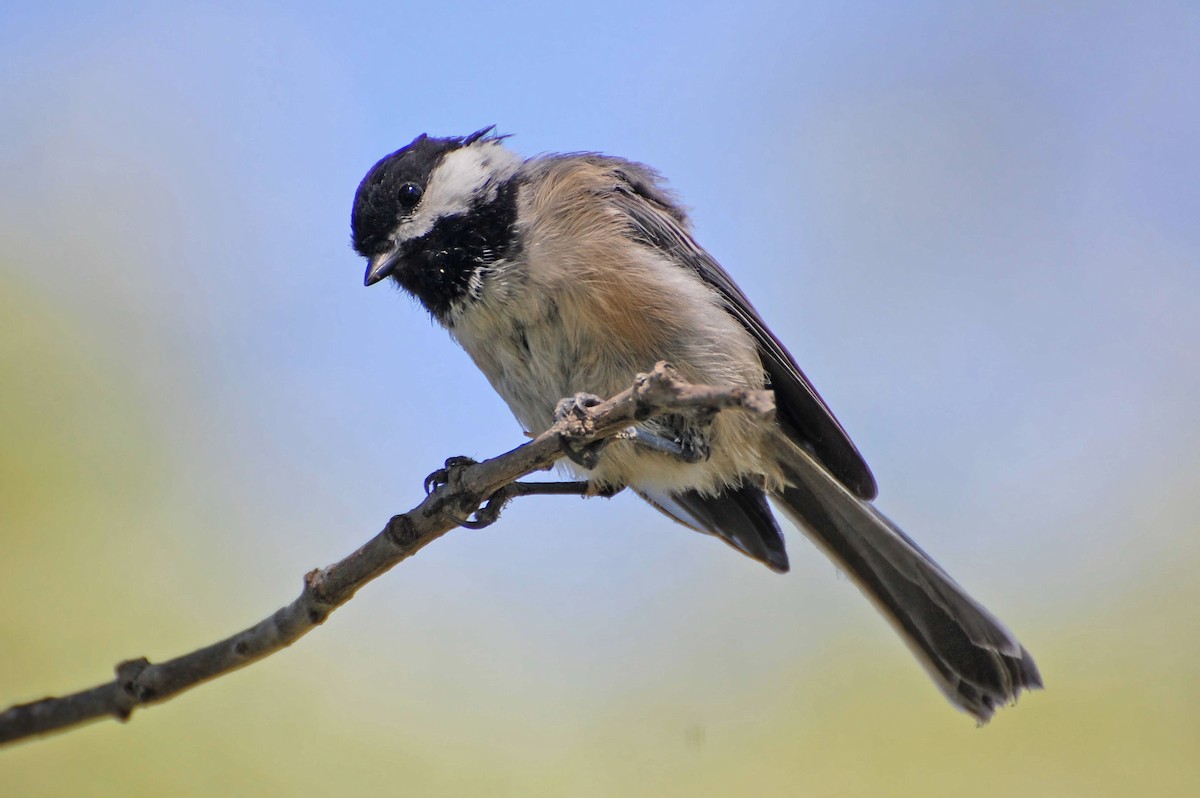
381, 266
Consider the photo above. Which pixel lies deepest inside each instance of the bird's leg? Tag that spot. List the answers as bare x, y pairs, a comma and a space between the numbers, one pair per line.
686, 450
479, 517
490, 511
681, 440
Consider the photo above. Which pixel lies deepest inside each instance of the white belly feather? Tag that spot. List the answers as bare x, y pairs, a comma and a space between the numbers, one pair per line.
559, 331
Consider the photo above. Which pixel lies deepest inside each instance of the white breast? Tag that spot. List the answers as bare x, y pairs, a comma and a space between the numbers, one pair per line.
541, 332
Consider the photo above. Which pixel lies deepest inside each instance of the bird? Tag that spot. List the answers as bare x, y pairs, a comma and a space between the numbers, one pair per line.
565, 275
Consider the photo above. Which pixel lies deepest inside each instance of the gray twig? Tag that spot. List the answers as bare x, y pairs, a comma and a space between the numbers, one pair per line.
466, 486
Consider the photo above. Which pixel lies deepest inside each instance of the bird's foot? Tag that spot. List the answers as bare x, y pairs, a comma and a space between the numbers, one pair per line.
442, 476
585, 455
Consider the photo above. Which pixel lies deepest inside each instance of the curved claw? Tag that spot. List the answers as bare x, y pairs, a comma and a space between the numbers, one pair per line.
440, 477
435, 480
487, 514
465, 521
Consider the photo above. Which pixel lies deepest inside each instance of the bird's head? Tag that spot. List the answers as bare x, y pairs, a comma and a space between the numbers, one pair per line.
435, 212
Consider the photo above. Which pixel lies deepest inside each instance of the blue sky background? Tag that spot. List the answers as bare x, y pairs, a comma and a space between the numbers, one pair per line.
974, 225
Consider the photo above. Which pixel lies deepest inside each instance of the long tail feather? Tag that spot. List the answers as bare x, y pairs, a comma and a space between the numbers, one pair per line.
972, 657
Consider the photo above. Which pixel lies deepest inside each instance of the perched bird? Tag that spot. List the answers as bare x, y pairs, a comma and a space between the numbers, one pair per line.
565, 276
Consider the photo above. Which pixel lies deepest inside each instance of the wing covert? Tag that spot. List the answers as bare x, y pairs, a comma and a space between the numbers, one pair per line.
656, 221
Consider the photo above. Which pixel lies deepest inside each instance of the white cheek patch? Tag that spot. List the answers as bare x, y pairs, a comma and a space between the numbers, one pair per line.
463, 177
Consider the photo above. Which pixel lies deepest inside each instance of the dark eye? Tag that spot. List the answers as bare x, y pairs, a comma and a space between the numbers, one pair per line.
409, 194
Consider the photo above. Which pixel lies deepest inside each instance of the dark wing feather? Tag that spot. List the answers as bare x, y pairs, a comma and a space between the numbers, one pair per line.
800, 409
739, 516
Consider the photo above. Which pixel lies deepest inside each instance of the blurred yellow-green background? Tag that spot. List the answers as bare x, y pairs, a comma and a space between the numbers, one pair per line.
974, 224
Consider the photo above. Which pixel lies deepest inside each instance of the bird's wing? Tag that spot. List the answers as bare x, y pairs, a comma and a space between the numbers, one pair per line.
658, 222
738, 515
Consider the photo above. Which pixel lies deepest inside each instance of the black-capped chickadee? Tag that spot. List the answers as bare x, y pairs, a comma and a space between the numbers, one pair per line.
565, 276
